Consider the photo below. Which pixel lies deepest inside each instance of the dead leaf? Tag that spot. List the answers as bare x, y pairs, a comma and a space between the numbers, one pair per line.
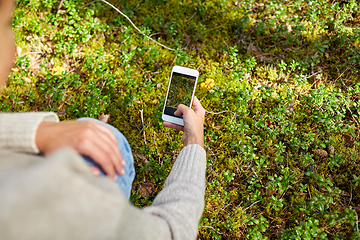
331, 150
247, 76
41, 17
250, 104
28, 80
105, 118
218, 127
142, 157
15, 70
320, 152
209, 205
35, 60
50, 65
58, 70
62, 114
208, 84
291, 106
317, 83
146, 189
349, 142
18, 50
327, 55
49, 46
252, 48
270, 192
174, 158
155, 101
158, 86
289, 29
261, 58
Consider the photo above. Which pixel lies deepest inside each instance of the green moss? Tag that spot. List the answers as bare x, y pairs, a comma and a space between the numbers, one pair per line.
296, 92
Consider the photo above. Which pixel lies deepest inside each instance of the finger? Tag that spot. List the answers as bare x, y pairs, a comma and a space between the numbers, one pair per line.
111, 150
195, 102
98, 147
95, 170
198, 109
181, 110
92, 150
105, 130
174, 126
108, 137
95, 134
111, 141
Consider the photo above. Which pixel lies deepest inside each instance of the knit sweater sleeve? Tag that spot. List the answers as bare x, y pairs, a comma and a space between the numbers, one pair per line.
181, 202
18, 130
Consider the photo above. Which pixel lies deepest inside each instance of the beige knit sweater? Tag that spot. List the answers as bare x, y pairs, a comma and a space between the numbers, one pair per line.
57, 197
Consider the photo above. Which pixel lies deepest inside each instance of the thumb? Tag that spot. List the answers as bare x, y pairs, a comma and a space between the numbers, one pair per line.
180, 110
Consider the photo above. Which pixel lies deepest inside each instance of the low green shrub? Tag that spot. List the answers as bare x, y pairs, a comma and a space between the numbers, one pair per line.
279, 80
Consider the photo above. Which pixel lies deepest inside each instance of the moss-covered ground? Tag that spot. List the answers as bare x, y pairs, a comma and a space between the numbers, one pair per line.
279, 80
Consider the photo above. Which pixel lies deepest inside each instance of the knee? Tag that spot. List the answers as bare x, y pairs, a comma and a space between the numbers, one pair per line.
119, 136
92, 119
113, 129
123, 144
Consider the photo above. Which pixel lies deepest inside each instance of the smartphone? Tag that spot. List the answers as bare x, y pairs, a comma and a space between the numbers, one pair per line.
181, 90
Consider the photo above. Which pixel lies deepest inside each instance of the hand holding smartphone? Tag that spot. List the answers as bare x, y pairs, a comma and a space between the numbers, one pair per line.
178, 113
193, 123
181, 90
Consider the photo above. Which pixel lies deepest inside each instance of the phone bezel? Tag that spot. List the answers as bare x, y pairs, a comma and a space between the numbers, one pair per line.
185, 71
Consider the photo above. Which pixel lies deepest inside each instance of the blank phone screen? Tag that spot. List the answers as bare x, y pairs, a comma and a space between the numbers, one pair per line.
180, 92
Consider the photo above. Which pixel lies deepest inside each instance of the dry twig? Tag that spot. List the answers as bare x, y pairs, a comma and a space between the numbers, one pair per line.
136, 26
249, 206
60, 5
225, 111
142, 121
155, 144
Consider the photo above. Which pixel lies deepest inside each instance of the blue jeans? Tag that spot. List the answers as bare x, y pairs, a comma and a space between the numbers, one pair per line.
125, 181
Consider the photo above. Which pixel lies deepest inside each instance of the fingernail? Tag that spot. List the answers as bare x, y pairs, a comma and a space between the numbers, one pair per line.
122, 172
123, 163
96, 172
115, 178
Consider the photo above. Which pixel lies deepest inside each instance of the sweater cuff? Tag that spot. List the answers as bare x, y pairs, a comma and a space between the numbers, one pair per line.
189, 166
18, 130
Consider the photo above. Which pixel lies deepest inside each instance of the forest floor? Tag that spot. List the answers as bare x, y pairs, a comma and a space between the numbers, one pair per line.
279, 80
